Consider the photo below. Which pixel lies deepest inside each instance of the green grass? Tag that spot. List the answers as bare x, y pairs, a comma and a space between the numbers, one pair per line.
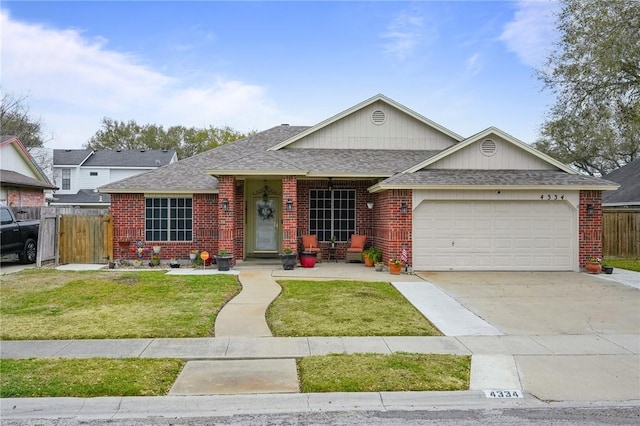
629, 264
345, 308
87, 378
380, 373
50, 304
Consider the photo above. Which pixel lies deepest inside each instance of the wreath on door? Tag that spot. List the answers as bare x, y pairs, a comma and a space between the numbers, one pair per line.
265, 211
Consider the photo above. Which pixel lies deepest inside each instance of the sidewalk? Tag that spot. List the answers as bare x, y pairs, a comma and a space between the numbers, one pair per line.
242, 335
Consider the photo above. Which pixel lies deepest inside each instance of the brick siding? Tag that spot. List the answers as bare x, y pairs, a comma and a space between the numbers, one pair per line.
590, 226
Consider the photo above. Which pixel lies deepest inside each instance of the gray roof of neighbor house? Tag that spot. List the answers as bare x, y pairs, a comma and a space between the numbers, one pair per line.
84, 196
129, 158
628, 177
448, 177
9, 177
70, 157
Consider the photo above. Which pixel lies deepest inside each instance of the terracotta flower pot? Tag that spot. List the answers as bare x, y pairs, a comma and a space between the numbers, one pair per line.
395, 269
593, 267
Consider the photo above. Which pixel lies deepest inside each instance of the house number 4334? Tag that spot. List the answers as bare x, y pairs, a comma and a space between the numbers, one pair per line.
552, 197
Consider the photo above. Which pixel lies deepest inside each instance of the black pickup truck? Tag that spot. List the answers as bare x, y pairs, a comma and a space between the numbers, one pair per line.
18, 236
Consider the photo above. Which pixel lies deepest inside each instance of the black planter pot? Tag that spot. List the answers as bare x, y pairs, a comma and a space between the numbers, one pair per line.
223, 262
289, 261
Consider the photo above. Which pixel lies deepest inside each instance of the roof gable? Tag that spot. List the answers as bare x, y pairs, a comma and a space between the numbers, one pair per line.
19, 152
377, 123
70, 157
502, 151
131, 158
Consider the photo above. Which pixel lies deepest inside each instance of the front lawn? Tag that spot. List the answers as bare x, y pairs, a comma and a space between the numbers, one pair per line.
384, 373
50, 304
87, 378
345, 308
629, 264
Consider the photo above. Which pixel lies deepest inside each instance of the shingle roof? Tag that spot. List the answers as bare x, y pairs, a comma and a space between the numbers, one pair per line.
448, 177
250, 155
14, 178
130, 158
112, 158
69, 157
628, 177
84, 196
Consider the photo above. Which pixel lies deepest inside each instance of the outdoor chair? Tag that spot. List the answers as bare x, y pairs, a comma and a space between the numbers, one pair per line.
310, 243
356, 247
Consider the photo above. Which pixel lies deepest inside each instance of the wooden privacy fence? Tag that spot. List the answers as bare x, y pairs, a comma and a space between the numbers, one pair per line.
86, 239
621, 233
71, 235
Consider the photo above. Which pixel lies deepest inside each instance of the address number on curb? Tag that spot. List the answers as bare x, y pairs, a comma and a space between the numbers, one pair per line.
503, 394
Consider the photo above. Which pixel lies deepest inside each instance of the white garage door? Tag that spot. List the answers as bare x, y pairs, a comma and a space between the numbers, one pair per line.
494, 235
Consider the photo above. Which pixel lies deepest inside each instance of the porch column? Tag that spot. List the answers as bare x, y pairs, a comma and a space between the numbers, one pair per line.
289, 212
226, 216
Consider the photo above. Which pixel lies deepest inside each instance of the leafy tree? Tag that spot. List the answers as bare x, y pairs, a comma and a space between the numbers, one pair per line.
186, 141
594, 124
15, 121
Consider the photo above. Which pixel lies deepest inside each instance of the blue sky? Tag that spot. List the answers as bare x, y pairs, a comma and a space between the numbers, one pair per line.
466, 65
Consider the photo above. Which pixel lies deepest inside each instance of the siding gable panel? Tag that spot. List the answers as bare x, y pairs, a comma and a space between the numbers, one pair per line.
507, 156
399, 131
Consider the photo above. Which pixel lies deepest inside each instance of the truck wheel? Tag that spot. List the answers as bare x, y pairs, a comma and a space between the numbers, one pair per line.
28, 255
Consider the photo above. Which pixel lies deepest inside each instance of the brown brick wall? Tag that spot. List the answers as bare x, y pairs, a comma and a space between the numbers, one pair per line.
25, 197
392, 228
590, 226
128, 226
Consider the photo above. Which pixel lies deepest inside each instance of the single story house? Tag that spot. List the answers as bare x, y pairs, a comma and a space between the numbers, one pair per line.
485, 202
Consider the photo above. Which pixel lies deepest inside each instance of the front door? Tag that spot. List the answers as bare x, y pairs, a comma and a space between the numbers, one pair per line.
266, 215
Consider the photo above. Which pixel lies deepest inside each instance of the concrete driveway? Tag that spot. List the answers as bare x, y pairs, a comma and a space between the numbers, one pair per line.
590, 326
544, 303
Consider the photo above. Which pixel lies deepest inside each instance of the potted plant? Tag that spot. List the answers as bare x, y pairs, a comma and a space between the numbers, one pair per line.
156, 249
288, 258
333, 241
223, 260
173, 262
375, 254
367, 256
395, 266
607, 269
593, 265
193, 254
308, 259
154, 260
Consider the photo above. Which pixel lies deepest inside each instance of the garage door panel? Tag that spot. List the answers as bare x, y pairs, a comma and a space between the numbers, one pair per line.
494, 235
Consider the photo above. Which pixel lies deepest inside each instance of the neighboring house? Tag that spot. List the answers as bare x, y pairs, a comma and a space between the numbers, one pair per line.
628, 195
22, 182
78, 172
486, 202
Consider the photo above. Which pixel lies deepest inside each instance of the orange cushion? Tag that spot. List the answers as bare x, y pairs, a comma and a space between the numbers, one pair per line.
309, 241
355, 250
357, 241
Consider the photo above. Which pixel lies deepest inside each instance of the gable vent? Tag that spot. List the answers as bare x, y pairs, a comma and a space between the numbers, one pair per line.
488, 147
378, 117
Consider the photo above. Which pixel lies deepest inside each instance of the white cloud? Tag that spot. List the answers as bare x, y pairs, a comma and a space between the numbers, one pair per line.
531, 33
73, 82
404, 33
473, 64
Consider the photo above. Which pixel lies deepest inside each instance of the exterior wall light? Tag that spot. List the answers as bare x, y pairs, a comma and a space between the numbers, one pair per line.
590, 209
369, 205
289, 205
403, 208
225, 205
